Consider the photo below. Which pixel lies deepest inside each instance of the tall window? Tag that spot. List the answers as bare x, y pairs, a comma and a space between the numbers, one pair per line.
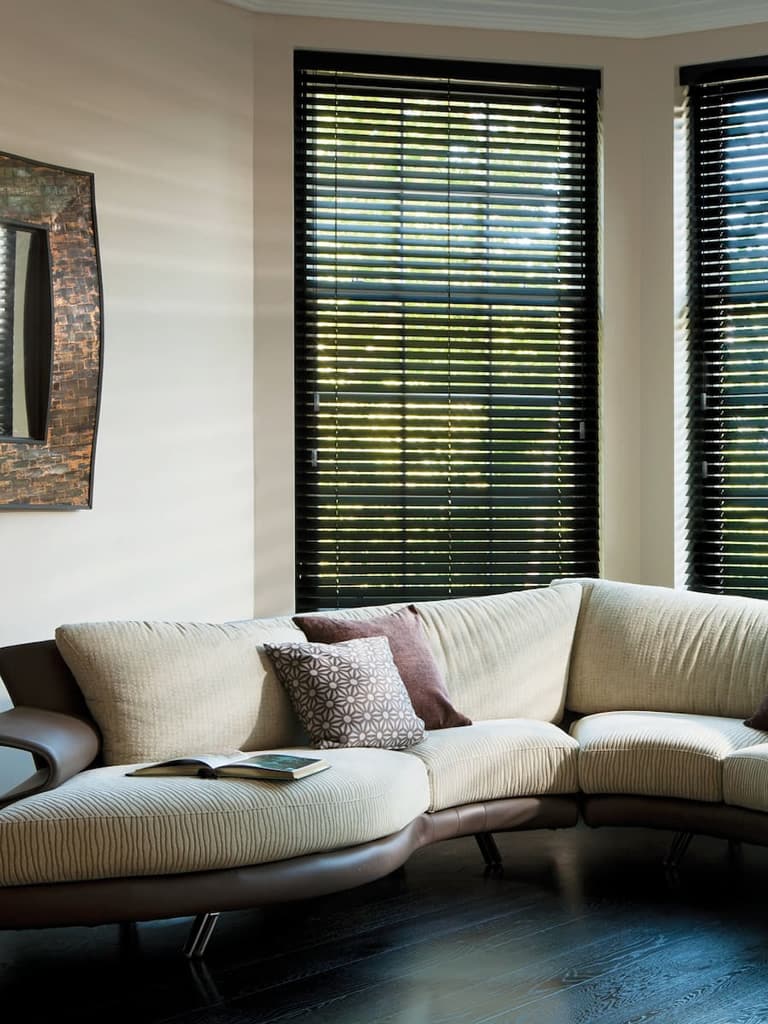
446, 328
728, 323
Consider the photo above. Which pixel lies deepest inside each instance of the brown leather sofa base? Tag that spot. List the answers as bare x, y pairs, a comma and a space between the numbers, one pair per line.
707, 819
109, 901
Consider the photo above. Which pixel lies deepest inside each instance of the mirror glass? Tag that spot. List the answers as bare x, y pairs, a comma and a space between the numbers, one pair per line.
25, 331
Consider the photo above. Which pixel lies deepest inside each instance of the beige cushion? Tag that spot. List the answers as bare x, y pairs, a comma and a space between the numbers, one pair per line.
656, 649
103, 825
165, 689
490, 760
745, 777
657, 754
505, 656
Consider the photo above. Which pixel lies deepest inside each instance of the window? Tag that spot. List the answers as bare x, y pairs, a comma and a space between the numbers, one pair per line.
728, 328
446, 328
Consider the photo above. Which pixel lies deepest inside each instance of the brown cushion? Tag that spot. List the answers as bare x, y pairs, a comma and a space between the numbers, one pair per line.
348, 694
759, 719
411, 652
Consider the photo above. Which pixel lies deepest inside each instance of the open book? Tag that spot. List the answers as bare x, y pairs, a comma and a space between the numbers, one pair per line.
221, 766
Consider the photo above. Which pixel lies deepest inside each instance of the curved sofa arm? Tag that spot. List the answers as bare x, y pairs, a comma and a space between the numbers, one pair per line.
61, 745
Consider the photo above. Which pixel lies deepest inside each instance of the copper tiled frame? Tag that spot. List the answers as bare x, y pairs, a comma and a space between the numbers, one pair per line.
57, 472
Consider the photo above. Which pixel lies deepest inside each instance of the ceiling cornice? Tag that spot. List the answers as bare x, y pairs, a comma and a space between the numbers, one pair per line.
628, 19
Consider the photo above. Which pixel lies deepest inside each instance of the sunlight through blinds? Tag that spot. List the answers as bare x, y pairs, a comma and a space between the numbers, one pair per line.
728, 327
446, 328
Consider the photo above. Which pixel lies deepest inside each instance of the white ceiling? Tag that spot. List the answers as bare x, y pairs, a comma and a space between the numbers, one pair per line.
632, 19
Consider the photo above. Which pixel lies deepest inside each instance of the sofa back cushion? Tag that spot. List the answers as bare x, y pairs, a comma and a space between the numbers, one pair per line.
657, 649
164, 689
505, 656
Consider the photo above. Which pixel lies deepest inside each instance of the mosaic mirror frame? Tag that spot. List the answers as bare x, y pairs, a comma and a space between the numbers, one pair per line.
55, 471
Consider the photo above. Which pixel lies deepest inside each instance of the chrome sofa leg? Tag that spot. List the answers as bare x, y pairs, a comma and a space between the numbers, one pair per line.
677, 850
489, 850
200, 935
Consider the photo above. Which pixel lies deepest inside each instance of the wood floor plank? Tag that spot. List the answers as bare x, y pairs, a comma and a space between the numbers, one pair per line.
686, 977
477, 972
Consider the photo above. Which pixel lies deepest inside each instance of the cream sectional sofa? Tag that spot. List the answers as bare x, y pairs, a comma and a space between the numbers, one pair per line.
619, 702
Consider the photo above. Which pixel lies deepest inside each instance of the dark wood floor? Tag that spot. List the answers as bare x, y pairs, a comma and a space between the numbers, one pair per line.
583, 928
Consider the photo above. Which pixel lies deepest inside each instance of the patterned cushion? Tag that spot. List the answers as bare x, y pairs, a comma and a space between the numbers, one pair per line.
410, 650
492, 760
348, 694
658, 754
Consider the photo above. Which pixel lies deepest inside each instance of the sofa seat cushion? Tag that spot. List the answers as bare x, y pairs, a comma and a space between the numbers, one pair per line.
657, 753
496, 759
102, 824
745, 777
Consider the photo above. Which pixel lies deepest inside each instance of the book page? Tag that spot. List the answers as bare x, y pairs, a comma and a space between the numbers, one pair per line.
205, 760
189, 765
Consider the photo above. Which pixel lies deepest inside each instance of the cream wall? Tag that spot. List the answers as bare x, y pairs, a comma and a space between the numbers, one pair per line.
156, 98
637, 402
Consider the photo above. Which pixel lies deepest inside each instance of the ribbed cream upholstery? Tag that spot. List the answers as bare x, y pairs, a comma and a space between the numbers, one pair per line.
102, 824
745, 777
490, 760
655, 649
505, 656
165, 689
372, 611
657, 753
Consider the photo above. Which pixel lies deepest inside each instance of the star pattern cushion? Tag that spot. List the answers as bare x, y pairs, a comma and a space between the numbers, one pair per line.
411, 653
348, 694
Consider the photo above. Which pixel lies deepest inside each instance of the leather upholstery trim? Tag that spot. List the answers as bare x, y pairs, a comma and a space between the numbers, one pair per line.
710, 819
36, 676
61, 745
141, 899
514, 814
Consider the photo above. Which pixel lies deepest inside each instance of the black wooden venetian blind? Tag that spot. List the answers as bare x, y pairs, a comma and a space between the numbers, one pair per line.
446, 328
728, 321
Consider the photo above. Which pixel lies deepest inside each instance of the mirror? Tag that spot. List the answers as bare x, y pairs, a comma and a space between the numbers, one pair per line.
25, 331
50, 335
